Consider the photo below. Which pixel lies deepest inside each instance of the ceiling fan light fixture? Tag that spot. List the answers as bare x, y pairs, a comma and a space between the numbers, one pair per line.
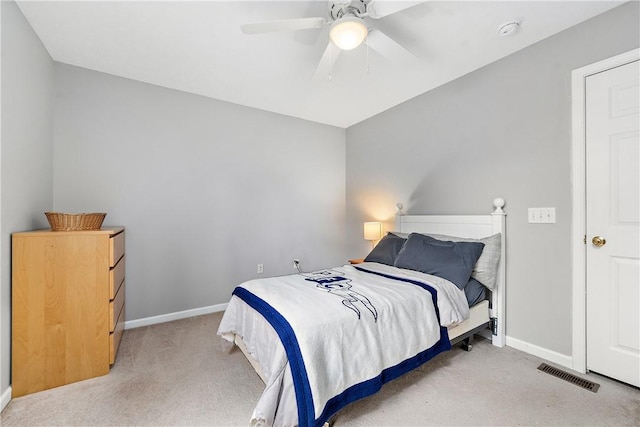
348, 32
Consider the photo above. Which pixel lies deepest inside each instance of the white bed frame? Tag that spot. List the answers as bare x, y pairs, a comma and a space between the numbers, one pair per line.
474, 226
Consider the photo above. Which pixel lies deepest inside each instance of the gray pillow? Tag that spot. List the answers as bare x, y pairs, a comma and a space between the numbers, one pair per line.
386, 250
486, 269
453, 261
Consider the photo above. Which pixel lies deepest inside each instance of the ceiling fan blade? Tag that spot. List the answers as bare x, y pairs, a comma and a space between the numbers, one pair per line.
387, 47
283, 25
329, 58
380, 8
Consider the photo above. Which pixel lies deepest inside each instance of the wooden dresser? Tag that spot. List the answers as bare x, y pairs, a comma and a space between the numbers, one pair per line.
68, 298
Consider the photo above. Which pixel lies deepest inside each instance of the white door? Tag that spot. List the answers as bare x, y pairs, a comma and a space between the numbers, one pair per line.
613, 223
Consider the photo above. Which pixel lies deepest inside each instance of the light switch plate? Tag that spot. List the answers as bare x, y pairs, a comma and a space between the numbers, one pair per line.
542, 215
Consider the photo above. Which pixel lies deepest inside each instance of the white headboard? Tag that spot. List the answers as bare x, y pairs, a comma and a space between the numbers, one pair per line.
474, 226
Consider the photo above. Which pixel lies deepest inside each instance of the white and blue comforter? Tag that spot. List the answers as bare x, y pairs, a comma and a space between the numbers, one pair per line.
324, 340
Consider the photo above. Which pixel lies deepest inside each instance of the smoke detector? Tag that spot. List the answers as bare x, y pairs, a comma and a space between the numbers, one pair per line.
508, 28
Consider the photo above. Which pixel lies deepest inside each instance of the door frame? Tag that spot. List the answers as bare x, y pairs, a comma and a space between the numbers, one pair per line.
579, 200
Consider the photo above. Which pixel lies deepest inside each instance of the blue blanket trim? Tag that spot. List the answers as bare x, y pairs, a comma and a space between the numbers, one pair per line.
369, 387
306, 411
433, 292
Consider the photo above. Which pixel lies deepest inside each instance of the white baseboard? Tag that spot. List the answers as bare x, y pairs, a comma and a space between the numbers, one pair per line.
552, 356
138, 323
5, 398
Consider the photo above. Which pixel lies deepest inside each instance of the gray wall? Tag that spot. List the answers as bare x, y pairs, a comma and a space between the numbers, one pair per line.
209, 189
206, 189
26, 140
504, 130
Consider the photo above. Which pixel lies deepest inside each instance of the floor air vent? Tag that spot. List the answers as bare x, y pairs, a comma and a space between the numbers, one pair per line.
563, 375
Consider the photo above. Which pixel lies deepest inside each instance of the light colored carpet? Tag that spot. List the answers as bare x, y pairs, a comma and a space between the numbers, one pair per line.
176, 374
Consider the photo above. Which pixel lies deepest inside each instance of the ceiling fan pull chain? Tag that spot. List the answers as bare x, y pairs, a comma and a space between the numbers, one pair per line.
367, 44
331, 68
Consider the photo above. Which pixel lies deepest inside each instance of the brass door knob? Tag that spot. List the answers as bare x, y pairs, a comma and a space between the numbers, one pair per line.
598, 241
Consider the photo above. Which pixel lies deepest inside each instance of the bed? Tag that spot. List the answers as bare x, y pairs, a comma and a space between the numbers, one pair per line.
324, 339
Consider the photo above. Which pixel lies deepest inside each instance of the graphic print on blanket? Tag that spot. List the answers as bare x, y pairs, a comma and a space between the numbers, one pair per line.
342, 287
302, 386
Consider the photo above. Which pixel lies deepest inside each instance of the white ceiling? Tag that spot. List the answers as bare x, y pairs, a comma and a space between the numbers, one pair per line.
198, 47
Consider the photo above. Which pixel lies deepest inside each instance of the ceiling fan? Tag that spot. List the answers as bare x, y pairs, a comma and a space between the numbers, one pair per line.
348, 21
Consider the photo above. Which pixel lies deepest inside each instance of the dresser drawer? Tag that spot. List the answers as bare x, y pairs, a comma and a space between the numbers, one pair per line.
116, 277
115, 308
116, 248
115, 337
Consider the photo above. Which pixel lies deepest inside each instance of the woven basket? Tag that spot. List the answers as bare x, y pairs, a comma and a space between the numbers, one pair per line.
73, 222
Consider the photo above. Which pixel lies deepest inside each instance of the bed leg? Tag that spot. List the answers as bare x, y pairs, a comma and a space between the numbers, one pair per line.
466, 343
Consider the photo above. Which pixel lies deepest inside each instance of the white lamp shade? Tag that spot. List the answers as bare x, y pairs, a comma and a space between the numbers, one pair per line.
372, 230
348, 33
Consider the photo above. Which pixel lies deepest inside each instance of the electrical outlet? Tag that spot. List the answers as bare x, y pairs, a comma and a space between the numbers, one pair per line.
260, 268
296, 263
